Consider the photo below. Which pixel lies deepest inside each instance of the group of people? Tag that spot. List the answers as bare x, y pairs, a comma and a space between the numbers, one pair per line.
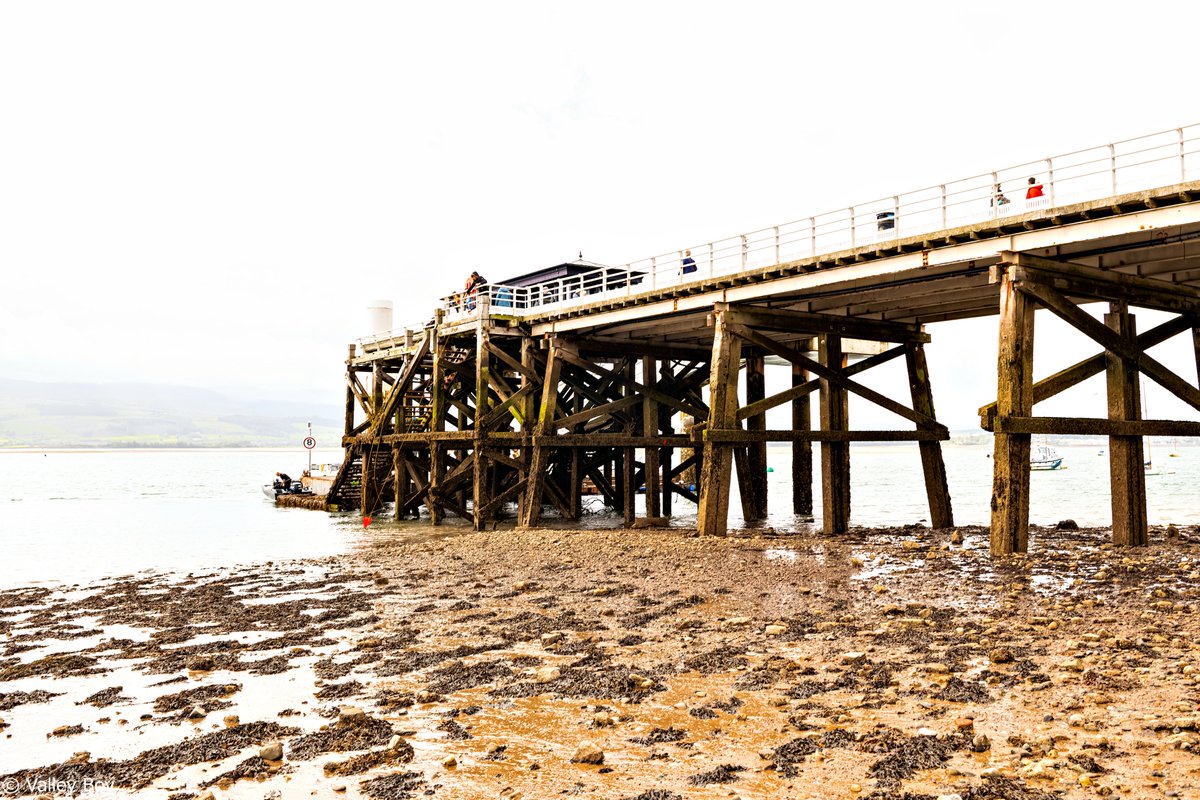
468, 298
1034, 190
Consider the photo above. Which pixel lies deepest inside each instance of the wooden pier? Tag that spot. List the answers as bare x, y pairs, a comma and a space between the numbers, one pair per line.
492, 413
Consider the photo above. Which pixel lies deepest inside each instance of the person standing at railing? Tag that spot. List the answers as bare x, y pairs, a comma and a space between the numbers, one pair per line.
475, 282
688, 265
999, 199
1034, 190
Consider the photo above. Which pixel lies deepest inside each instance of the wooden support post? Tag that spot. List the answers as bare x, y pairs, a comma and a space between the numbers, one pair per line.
575, 476
377, 389
437, 424
480, 495
399, 481
629, 498
1125, 454
713, 515
802, 461
541, 456
754, 486
529, 420
1195, 347
1014, 397
351, 400
940, 513
650, 420
835, 456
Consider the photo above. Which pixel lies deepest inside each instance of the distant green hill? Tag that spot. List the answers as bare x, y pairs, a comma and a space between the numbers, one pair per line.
34, 414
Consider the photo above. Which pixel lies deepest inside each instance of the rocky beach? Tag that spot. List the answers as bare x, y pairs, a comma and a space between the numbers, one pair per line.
647, 664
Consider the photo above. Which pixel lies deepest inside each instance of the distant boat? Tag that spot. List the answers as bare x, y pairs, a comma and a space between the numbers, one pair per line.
1043, 456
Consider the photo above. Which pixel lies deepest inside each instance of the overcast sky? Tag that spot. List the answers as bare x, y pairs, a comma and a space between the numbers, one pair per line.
209, 193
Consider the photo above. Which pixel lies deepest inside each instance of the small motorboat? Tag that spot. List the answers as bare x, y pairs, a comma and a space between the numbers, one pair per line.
1043, 456
272, 490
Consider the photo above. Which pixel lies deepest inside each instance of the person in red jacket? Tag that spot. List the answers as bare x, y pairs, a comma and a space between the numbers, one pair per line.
1034, 190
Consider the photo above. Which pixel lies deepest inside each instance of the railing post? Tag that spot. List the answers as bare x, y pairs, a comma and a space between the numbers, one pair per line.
992, 194
604, 280
654, 272
1182, 154
853, 232
1050, 178
1112, 161
712, 259
776, 244
896, 216
628, 280
812, 237
945, 218
745, 250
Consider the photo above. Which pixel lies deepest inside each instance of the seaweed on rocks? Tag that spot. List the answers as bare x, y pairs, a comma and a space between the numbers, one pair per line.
454, 732
785, 757
207, 695
252, 767
397, 786
916, 753
146, 767
957, 690
722, 659
402, 753
656, 794
726, 773
11, 700
105, 698
59, 665
356, 732
338, 691
660, 736
456, 676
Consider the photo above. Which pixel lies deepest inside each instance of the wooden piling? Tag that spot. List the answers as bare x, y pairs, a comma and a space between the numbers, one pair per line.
835, 455
1014, 397
934, 468
1125, 453
713, 514
802, 458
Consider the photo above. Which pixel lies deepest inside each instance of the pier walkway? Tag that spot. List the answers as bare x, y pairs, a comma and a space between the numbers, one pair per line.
519, 394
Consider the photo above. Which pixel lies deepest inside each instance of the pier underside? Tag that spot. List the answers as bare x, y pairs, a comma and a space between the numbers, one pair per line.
494, 415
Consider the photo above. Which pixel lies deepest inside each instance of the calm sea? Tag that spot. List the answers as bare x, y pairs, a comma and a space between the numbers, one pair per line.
68, 517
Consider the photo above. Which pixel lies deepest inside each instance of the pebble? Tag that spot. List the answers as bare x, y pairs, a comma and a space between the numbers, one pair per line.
346, 712
272, 751
587, 753
232, 721
1001, 655
449, 762
547, 674
775, 630
956, 537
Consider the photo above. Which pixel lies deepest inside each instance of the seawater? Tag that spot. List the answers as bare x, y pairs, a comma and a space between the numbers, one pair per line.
77, 516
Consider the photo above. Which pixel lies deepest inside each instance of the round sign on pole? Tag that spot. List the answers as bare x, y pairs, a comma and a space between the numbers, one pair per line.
309, 443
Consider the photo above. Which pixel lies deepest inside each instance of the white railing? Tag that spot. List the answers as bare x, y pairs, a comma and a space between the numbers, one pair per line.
1147, 162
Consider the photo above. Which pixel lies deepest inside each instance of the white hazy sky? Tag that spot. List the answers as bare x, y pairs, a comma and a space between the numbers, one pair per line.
209, 193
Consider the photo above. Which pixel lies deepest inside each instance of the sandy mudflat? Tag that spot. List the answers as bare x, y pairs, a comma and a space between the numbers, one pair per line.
886, 664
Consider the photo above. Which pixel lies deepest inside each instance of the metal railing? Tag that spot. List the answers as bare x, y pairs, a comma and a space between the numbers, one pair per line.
1146, 162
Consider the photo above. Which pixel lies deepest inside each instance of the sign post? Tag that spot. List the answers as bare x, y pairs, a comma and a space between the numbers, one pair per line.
309, 444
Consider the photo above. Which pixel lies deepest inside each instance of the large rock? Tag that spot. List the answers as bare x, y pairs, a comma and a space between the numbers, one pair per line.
587, 753
272, 751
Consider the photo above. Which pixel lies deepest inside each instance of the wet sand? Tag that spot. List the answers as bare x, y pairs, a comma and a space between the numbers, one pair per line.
899, 663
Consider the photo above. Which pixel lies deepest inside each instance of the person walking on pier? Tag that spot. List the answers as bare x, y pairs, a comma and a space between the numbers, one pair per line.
1034, 190
688, 265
